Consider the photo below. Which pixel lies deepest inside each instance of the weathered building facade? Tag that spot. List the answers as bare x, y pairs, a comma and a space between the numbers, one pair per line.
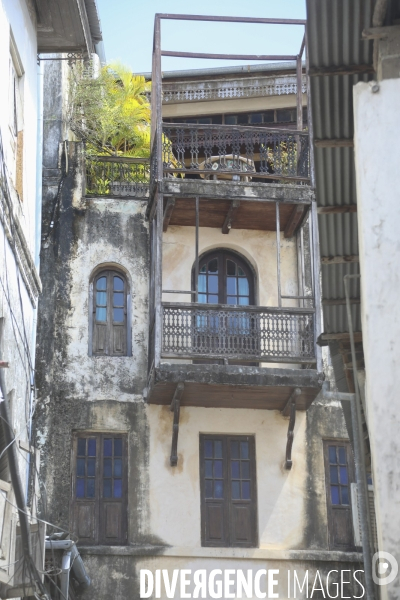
182, 423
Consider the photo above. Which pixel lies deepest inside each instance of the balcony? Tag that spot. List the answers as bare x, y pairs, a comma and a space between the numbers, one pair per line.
238, 333
118, 177
238, 173
234, 153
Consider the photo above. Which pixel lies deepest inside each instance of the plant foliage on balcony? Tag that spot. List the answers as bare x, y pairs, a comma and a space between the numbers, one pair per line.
110, 111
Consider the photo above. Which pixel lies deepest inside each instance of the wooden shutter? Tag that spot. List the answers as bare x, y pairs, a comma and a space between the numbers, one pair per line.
242, 480
214, 489
85, 488
118, 314
101, 311
228, 491
113, 492
339, 476
99, 488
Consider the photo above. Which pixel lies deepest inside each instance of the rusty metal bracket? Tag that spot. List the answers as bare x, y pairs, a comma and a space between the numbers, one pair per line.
290, 408
176, 408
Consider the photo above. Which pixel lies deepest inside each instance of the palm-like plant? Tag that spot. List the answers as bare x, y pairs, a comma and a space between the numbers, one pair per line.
111, 112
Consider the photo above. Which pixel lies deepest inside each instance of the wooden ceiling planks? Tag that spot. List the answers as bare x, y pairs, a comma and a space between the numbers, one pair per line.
231, 396
249, 215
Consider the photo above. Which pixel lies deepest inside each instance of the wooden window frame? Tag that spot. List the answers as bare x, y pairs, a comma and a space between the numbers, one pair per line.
98, 507
16, 115
222, 255
333, 544
227, 503
109, 273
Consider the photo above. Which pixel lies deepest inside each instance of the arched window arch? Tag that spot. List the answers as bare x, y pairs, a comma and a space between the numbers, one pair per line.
110, 314
225, 277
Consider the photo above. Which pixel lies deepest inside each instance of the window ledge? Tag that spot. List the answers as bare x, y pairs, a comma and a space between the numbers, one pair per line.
243, 553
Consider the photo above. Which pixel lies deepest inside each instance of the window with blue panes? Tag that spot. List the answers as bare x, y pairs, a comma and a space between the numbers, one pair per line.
338, 475
110, 292
225, 278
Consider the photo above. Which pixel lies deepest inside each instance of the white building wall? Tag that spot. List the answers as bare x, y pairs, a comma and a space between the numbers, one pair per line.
377, 160
280, 493
15, 19
17, 304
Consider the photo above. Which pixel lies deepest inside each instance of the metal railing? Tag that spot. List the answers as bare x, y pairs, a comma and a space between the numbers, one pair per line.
250, 333
235, 153
118, 176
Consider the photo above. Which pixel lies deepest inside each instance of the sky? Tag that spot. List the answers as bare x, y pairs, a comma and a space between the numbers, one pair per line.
127, 27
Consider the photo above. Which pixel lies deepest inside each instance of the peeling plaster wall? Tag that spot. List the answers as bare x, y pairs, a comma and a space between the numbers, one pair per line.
85, 237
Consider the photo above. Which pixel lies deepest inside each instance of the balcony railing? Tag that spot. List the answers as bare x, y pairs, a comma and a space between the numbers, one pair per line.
118, 176
235, 153
245, 333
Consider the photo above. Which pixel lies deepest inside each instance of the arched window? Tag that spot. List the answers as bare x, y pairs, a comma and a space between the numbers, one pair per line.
225, 278
110, 314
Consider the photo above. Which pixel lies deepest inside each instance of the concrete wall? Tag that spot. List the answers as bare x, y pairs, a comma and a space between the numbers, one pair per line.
378, 202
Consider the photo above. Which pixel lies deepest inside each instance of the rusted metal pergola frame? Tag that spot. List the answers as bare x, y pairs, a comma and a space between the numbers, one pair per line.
156, 210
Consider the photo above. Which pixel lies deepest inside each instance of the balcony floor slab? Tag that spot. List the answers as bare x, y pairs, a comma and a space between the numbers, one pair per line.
264, 192
231, 386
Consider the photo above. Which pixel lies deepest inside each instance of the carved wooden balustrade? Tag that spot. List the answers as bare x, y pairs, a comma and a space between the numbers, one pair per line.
118, 176
235, 152
245, 333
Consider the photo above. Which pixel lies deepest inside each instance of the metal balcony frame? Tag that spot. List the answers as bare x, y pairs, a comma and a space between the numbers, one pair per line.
156, 212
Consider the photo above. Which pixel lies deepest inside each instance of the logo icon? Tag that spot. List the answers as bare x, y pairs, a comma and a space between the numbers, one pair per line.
384, 568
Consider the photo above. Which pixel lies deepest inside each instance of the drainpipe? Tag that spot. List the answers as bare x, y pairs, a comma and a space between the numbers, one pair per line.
359, 455
71, 561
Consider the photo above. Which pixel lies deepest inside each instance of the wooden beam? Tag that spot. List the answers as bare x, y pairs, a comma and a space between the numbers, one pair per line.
226, 227
169, 209
339, 260
176, 408
294, 221
337, 210
340, 302
340, 70
290, 436
286, 409
334, 143
337, 337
